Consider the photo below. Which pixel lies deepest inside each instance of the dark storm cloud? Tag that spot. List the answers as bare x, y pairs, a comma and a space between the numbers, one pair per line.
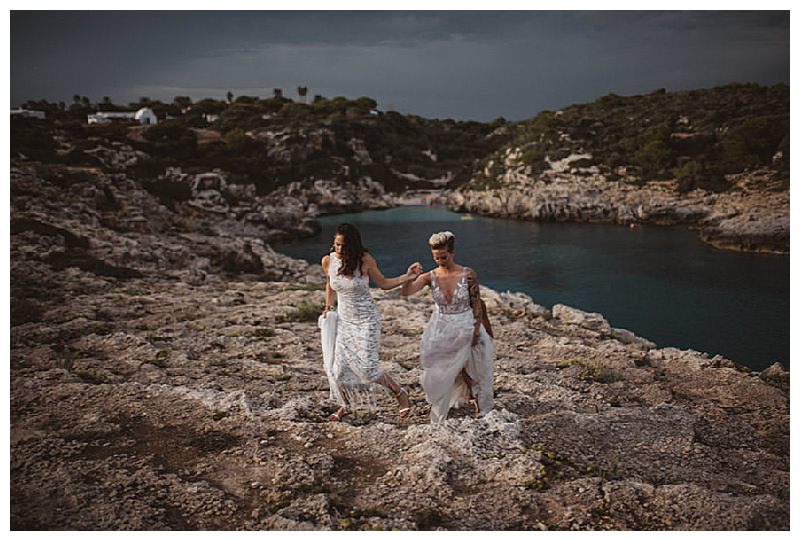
440, 64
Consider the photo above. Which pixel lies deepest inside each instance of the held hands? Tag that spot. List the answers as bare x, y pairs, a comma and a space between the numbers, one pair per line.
414, 270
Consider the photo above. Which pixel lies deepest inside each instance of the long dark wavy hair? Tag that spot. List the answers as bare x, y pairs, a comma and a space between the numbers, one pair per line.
352, 249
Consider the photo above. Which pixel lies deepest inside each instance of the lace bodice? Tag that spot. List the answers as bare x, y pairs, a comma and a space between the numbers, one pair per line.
352, 287
446, 351
354, 299
355, 363
460, 301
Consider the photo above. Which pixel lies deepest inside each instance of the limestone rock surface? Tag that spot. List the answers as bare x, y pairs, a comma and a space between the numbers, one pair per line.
165, 375
753, 215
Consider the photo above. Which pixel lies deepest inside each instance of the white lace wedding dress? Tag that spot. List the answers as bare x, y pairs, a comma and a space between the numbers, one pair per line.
446, 348
354, 370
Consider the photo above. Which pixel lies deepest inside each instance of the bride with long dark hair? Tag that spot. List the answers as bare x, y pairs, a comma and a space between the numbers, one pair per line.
354, 370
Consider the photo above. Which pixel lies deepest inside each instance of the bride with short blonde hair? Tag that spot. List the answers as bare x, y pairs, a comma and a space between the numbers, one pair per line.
456, 349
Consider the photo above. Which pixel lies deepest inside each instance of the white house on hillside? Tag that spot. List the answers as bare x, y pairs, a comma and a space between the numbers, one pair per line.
145, 115
28, 113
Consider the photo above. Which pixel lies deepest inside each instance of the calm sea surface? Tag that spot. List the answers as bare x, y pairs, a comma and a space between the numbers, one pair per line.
660, 282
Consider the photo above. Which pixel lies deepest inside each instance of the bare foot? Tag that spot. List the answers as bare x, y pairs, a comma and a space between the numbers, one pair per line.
339, 415
475, 409
404, 402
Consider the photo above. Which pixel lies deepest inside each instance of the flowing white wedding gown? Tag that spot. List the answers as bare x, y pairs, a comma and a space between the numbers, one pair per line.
353, 368
446, 348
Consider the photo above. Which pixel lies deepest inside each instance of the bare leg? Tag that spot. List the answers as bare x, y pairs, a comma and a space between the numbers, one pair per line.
468, 382
399, 393
389, 383
472, 401
343, 410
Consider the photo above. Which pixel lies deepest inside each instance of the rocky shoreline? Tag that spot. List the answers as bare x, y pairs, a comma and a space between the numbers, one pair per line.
166, 374
752, 216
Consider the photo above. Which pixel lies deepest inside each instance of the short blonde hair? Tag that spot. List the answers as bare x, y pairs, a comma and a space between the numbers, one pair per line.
442, 239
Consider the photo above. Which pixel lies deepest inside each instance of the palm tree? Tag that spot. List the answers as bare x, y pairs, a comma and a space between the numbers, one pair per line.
277, 92
302, 91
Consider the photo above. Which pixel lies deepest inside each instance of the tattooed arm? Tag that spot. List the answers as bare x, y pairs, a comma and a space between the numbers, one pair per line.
475, 302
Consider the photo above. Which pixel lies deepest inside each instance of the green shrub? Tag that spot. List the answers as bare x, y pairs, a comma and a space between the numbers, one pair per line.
171, 139
168, 192
32, 138
238, 141
89, 376
150, 168
610, 100
534, 156
654, 153
688, 175
583, 163
752, 143
296, 110
305, 312
594, 372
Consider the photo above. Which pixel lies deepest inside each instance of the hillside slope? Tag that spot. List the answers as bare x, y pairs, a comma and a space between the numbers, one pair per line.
716, 159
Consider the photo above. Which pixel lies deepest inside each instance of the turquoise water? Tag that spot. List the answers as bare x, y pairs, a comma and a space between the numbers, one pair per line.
660, 282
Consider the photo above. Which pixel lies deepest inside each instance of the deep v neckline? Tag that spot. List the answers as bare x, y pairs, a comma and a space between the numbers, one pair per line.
450, 298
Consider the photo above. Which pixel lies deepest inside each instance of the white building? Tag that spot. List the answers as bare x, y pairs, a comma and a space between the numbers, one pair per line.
145, 115
28, 113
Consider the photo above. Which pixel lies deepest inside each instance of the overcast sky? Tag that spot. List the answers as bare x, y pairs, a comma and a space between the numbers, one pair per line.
461, 65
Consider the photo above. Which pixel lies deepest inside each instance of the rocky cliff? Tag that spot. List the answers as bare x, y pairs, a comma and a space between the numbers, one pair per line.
166, 374
716, 160
753, 215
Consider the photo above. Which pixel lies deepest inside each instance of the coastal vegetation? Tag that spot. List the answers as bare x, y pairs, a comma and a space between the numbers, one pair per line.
696, 137
268, 142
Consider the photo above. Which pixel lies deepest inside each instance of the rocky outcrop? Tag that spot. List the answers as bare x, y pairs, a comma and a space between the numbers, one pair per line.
329, 197
159, 404
210, 200
236, 209
112, 226
116, 157
751, 216
168, 376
